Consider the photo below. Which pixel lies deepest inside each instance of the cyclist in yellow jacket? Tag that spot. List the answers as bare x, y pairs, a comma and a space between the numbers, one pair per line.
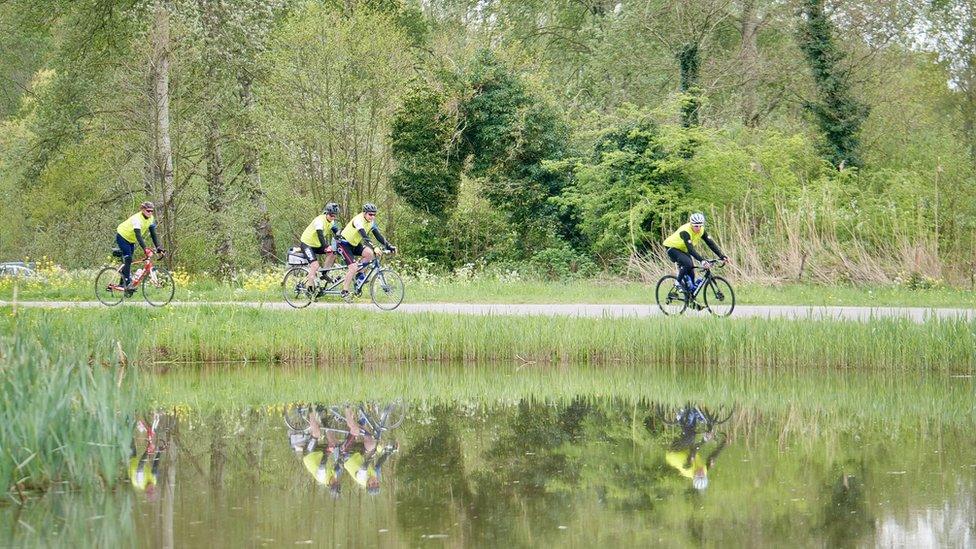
681, 248
314, 242
355, 242
131, 231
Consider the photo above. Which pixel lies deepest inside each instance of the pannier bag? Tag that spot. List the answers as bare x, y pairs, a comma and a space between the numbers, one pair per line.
296, 257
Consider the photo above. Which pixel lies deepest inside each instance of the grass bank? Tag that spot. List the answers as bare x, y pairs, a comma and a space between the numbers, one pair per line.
218, 333
62, 413
264, 287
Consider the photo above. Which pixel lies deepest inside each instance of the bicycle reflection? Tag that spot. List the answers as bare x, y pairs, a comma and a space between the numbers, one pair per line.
687, 454
344, 440
155, 434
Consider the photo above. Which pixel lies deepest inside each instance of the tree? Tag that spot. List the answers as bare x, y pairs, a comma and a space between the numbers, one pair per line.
423, 138
952, 26
837, 112
686, 28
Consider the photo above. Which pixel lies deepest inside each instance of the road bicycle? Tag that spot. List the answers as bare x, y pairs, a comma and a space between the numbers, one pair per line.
385, 285
716, 293
158, 286
374, 419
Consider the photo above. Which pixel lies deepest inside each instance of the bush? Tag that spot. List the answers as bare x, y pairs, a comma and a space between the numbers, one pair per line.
562, 263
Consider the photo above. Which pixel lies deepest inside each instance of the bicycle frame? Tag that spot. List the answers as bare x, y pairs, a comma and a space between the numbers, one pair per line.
335, 288
705, 280
148, 267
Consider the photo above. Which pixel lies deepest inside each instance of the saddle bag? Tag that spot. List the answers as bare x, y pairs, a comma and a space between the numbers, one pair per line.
296, 256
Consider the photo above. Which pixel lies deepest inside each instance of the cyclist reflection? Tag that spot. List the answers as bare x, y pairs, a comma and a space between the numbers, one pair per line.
686, 453
144, 468
337, 439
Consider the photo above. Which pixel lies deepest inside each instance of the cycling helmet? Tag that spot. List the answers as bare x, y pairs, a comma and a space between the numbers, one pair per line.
147, 205
331, 208
700, 482
697, 218
369, 207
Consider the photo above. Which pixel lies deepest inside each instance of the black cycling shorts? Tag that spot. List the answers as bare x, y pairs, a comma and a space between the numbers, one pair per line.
311, 253
350, 252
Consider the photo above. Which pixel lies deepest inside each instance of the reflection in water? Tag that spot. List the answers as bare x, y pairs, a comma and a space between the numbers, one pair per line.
333, 440
687, 453
528, 473
153, 436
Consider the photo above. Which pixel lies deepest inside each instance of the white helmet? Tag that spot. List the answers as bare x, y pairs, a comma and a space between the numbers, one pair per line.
697, 218
700, 482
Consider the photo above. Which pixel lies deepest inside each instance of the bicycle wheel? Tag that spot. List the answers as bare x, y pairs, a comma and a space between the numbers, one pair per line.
670, 297
719, 297
158, 287
296, 417
293, 287
386, 289
108, 287
392, 415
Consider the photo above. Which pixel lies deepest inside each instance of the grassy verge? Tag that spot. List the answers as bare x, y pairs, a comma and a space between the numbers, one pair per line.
61, 414
215, 333
265, 288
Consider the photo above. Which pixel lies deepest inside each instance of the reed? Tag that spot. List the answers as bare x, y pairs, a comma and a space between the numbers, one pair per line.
61, 413
222, 333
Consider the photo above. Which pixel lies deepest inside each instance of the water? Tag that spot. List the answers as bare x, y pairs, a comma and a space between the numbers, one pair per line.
576, 472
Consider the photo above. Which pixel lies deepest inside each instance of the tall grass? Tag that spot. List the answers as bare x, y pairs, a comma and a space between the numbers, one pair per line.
208, 333
61, 414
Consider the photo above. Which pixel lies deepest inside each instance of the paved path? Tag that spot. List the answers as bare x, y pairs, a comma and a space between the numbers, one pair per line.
917, 314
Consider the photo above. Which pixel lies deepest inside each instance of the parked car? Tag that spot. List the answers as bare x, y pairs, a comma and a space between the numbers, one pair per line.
16, 269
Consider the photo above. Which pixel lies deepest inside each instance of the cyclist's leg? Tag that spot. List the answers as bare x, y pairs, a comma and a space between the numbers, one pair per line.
686, 266
313, 264
348, 252
128, 249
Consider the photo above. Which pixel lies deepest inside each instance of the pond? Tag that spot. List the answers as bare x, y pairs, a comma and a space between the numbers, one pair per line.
529, 471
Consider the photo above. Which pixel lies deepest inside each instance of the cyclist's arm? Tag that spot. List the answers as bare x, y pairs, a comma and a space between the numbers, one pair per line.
691, 249
139, 239
366, 241
383, 241
711, 244
321, 233
336, 230
153, 235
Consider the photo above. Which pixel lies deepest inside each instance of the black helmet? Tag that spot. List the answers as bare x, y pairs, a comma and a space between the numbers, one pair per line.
331, 208
369, 207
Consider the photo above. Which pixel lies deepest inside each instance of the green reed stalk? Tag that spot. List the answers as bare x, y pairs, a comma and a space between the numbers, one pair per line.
220, 333
61, 413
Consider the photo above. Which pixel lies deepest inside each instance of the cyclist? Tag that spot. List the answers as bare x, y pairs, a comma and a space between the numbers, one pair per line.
130, 232
355, 242
314, 242
681, 248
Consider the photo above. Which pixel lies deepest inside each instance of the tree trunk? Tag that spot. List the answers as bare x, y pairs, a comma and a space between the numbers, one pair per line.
163, 150
969, 113
217, 199
689, 59
749, 63
262, 222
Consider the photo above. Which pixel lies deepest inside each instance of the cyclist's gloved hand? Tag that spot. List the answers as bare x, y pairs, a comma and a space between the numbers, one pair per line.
159, 249
391, 248
148, 252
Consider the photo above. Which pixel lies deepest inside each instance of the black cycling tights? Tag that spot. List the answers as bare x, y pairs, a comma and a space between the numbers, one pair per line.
686, 265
